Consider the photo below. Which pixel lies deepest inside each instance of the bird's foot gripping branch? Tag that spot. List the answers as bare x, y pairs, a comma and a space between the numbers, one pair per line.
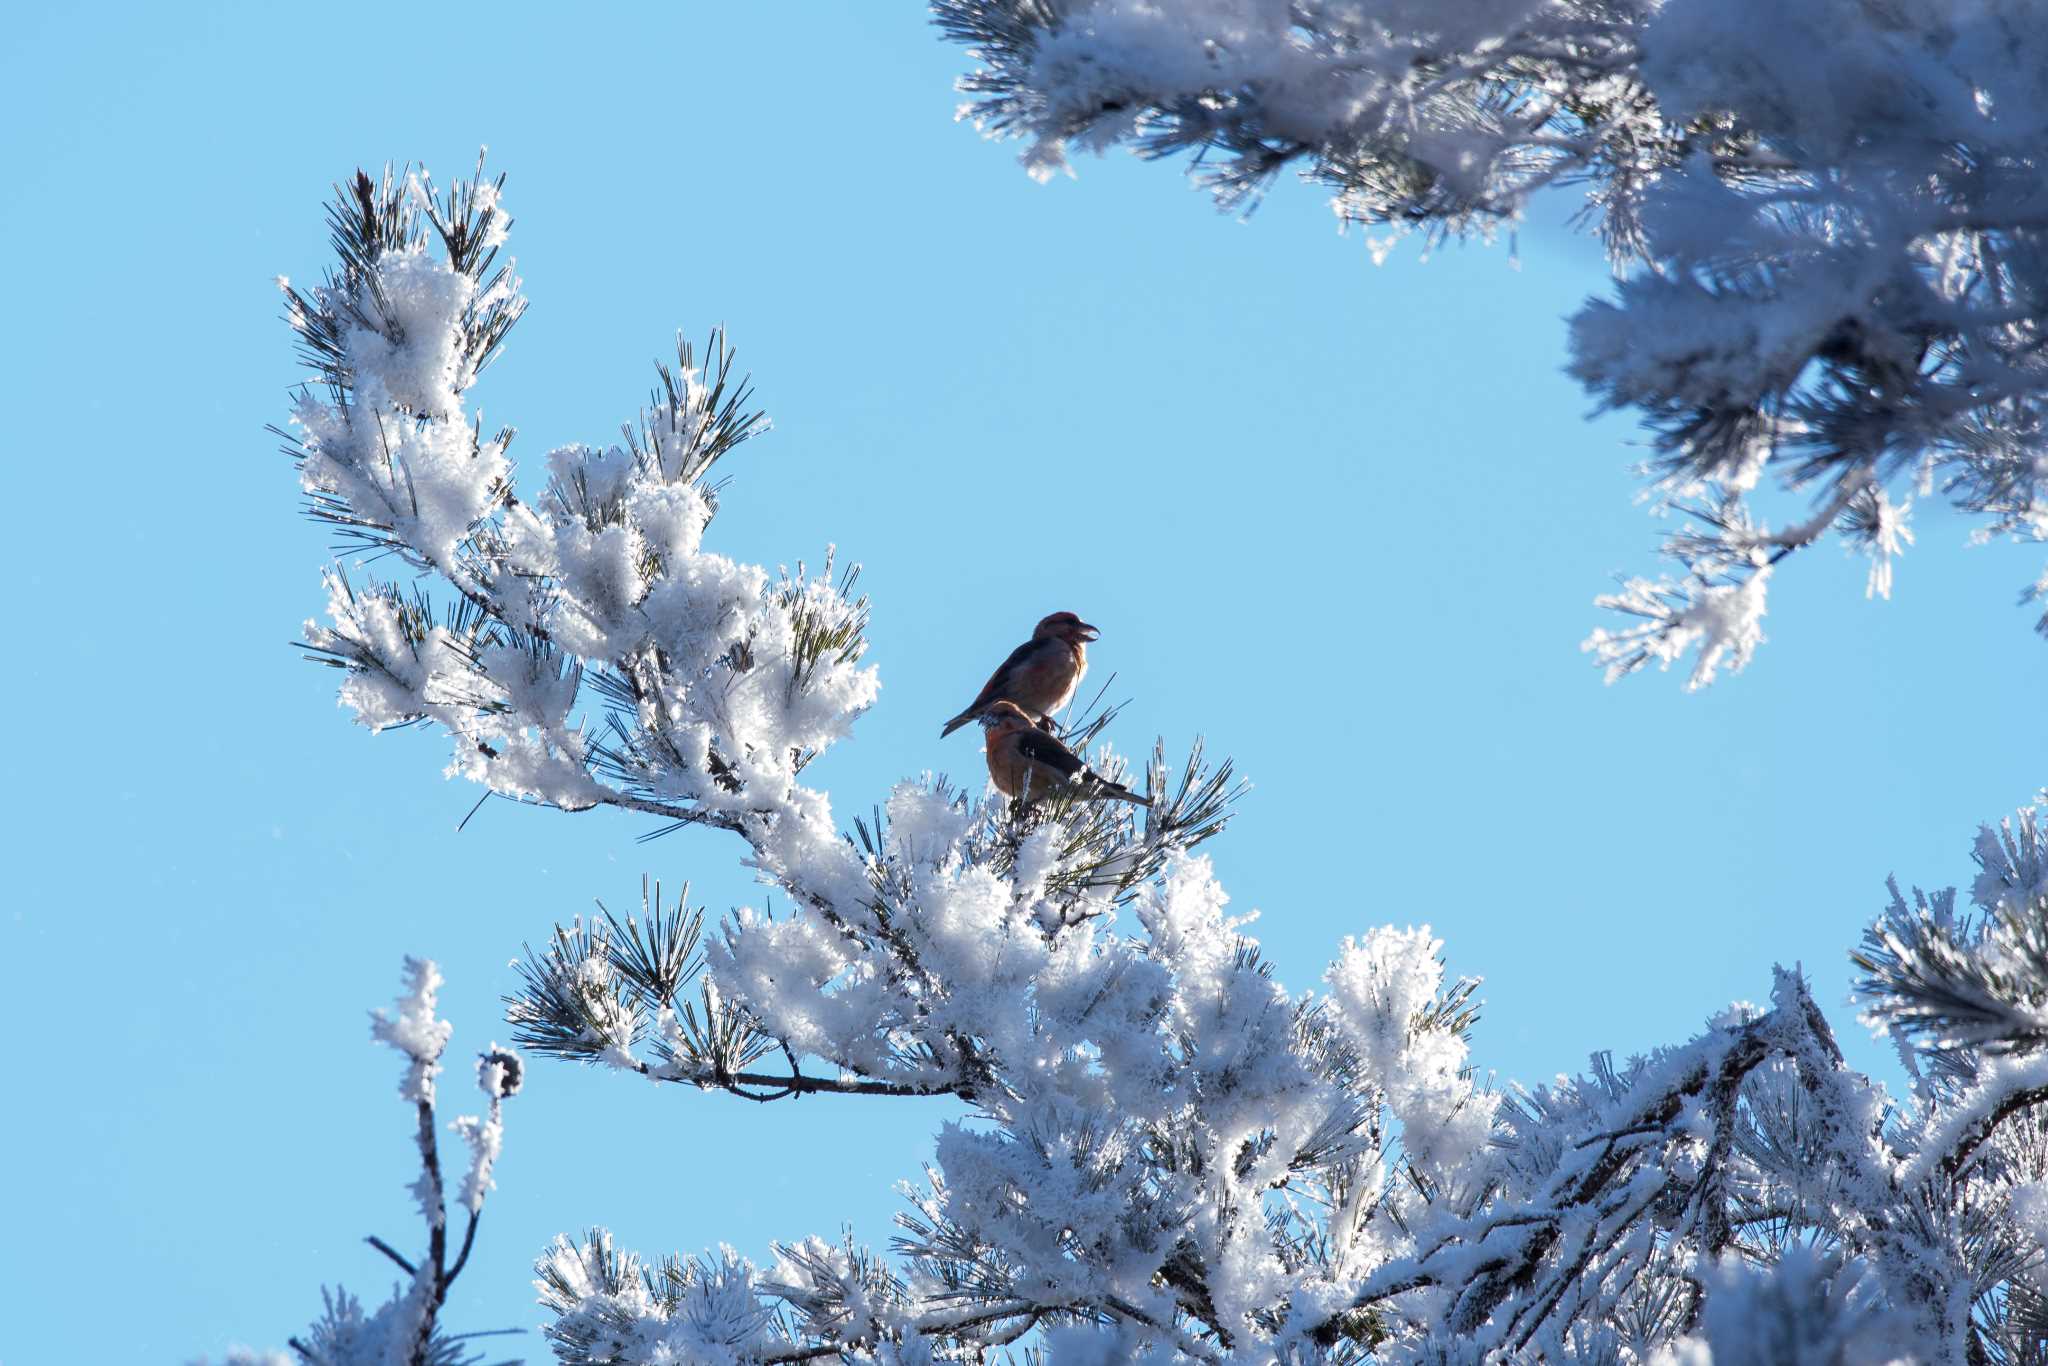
1171, 1157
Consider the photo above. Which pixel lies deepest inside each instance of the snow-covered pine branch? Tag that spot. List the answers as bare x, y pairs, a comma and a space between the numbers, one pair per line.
719, 681
1175, 1159
1162, 1154
406, 1330
1830, 220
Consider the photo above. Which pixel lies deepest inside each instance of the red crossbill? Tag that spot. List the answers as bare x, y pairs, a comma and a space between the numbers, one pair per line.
1040, 675
1030, 765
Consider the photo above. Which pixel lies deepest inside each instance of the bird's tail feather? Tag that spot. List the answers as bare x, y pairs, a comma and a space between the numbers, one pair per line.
962, 719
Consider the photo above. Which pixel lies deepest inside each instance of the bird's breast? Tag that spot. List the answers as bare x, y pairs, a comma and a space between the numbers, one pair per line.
1005, 764
1044, 684
1075, 673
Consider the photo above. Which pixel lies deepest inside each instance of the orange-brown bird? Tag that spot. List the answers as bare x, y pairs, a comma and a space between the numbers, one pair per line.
1028, 765
1040, 675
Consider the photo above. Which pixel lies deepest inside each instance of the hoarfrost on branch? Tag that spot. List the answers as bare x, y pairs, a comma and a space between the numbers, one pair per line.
1161, 1153
1828, 220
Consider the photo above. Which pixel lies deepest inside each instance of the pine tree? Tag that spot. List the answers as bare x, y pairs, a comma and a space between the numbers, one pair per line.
1173, 1158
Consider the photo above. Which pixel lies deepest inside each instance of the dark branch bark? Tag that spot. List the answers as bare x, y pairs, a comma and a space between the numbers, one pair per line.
437, 1231
403, 1265
1979, 1133
807, 1086
462, 1257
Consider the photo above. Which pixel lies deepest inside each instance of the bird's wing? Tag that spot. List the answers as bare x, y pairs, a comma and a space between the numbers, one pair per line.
1040, 748
1000, 679
998, 683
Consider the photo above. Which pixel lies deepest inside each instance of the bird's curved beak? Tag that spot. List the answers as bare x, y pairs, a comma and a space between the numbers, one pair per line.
1088, 632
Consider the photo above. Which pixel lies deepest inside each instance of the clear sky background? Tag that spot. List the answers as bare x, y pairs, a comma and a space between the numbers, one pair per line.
1345, 521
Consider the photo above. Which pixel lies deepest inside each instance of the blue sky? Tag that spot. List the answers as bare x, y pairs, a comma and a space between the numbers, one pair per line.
1345, 521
